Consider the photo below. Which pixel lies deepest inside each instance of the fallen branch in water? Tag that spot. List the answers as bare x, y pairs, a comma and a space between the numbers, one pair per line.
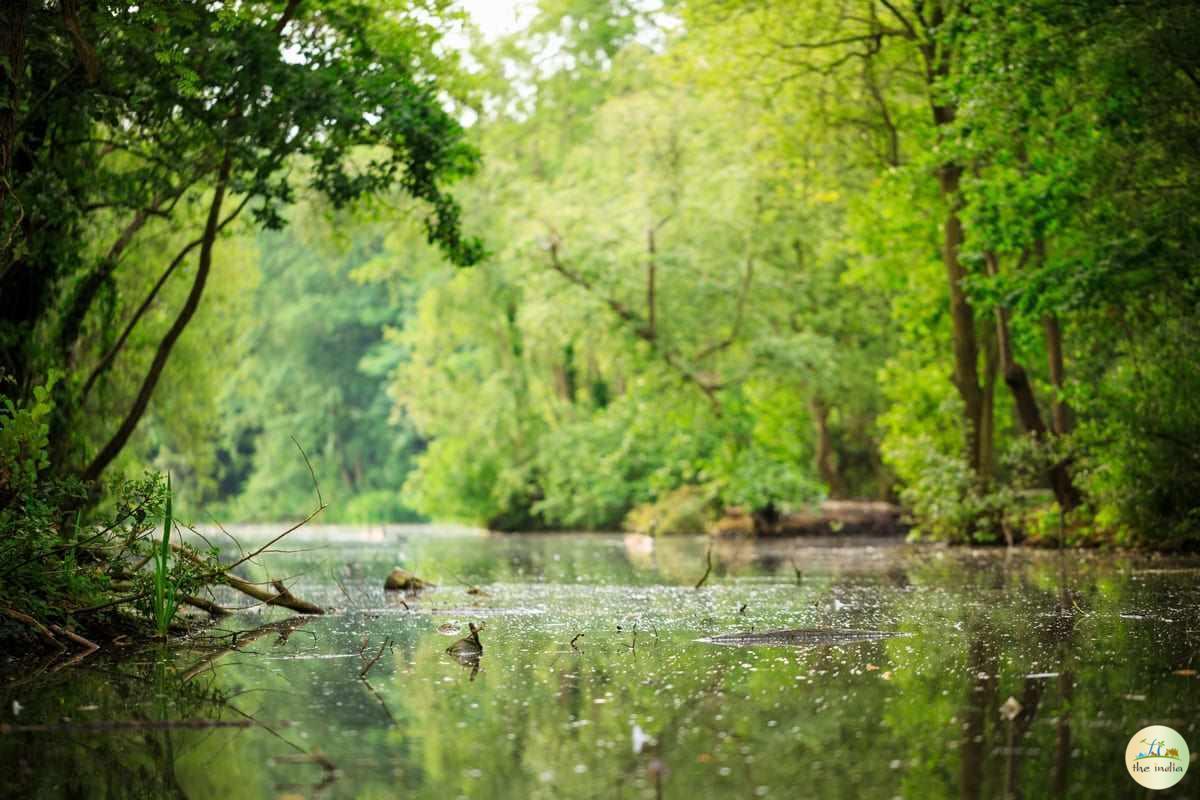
282, 597
289, 600
83, 642
205, 605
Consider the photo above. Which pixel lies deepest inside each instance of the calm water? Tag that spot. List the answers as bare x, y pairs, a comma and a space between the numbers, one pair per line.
1093, 647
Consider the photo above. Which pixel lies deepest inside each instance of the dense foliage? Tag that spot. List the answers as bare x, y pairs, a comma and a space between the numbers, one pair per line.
136, 133
939, 251
133, 137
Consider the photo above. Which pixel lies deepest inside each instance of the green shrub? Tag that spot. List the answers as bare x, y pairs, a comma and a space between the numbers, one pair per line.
688, 509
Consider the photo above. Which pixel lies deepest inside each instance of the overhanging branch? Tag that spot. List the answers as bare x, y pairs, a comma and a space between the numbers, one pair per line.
118, 440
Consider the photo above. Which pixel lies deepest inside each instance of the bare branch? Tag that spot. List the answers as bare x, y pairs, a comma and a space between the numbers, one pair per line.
125, 430
739, 313
320, 507
307, 463
367, 667
640, 327
106, 362
908, 26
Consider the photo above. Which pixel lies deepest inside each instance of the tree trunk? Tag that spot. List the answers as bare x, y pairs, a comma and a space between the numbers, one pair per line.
826, 458
22, 286
121, 437
1063, 418
89, 287
566, 377
987, 421
937, 56
1030, 417
962, 315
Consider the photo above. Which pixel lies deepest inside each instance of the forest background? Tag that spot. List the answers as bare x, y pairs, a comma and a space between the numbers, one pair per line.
731, 255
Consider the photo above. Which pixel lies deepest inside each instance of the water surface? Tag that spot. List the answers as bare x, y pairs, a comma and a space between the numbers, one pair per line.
1010, 674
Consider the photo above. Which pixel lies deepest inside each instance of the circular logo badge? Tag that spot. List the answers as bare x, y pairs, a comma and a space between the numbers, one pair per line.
1157, 757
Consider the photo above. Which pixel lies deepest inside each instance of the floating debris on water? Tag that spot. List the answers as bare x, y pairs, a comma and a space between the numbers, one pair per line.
468, 645
1011, 709
401, 580
799, 637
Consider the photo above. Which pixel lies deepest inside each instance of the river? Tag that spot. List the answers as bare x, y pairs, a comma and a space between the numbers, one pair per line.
1003, 674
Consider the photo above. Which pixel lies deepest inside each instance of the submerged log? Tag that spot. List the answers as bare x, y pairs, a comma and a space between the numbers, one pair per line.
832, 518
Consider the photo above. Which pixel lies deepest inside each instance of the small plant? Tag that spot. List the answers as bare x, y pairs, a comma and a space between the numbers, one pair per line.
164, 597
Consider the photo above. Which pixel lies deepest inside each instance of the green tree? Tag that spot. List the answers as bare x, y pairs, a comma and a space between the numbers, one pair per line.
121, 119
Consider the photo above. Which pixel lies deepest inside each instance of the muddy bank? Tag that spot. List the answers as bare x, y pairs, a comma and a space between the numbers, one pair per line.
833, 517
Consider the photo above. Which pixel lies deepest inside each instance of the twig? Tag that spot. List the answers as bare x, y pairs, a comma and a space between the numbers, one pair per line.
379, 655
232, 538
240, 638
321, 506
342, 586
382, 703
707, 567
259, 551
102, 606
312, 473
